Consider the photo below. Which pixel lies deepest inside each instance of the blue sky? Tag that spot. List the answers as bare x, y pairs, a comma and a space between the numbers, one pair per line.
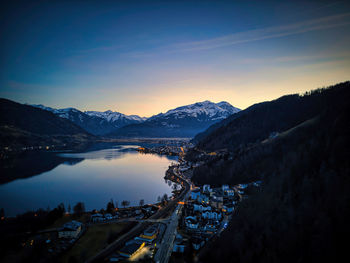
145, 57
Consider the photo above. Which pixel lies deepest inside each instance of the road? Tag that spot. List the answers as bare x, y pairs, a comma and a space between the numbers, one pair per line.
164, 252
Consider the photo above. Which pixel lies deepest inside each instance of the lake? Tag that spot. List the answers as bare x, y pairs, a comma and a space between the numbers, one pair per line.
93, 177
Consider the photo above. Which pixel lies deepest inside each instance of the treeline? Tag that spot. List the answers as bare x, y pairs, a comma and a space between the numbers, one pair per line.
302, 211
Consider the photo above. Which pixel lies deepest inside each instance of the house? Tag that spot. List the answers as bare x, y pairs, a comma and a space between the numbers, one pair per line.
197, 242
70, 230
230, 192
211, 215
242, 186
201, 207
204, 198
131, 249
191, 222
217, 202
228, 208
206, 188
210, 228
137, 212
195, 194
179, 245
97, 218
225, 187
108, 216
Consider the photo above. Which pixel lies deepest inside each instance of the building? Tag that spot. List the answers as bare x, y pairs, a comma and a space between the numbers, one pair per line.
197, 242
217, 202
230, 192
179, 245
211, 215
131, 249
229, 208
210, 228
70, 230
108, 216
204, 198
225, 187
195, 194
201, 207
97, 218
191, 222
206, 188
150, 233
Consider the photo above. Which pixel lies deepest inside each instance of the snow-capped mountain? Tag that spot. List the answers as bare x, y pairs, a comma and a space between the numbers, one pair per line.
203, 111
185, 121
97, 123
113, 116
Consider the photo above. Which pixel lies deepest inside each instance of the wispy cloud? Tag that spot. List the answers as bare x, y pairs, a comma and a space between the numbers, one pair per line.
266, 33
281, 59
101, 49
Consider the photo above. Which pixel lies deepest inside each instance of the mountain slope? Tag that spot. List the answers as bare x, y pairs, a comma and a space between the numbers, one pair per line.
261, 120
185, 121
26, 125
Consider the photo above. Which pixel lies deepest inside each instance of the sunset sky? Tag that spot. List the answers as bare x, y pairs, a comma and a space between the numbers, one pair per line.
145, 57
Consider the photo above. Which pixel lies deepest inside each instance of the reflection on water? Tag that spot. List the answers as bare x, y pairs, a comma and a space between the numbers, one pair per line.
93, 177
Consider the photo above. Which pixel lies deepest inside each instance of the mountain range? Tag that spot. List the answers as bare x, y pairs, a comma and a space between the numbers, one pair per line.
94, 122
185, 121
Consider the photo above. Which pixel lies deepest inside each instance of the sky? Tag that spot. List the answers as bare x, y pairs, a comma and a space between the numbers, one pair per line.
146, 57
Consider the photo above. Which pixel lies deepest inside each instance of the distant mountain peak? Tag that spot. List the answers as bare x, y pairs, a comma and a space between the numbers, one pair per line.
205, 108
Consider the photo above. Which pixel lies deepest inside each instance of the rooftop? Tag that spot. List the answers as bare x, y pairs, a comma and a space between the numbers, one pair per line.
131, 248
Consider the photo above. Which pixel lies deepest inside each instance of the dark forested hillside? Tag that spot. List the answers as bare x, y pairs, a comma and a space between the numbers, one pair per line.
301, 212
24, 125
260, 120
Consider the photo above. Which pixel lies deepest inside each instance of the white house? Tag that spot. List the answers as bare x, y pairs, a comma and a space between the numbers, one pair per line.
230, 192
242, 186
217, 201
108, 216
203, 198
225, 187
97, 218
195, 194
201, 208
211, 215
209, 227
70, 230
191, 222
179, 245
206, 188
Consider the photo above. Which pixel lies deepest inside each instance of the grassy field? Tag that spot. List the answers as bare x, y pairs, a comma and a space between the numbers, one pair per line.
93, 241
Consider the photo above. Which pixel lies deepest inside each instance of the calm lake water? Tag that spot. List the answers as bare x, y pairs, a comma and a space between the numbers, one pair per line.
94, 177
